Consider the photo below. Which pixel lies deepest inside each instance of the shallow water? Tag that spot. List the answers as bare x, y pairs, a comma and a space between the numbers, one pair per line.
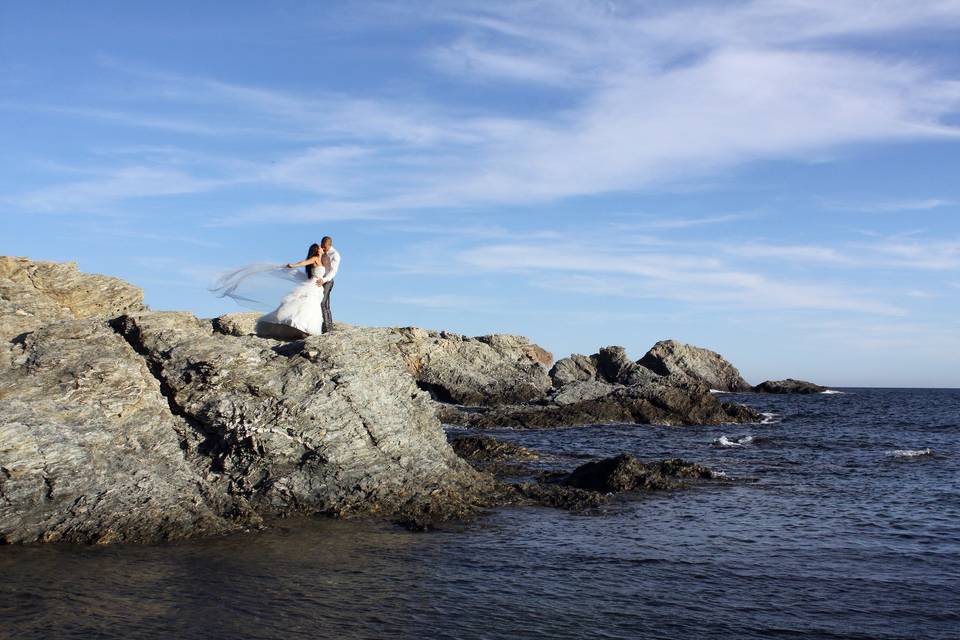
838, 536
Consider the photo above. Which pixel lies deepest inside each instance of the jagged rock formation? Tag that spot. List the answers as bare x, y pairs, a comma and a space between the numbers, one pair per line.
610, 365
153, 426
487, 370
788, 386
672, 358
659, 402
122, 424
89, 450
607, 387
33, 294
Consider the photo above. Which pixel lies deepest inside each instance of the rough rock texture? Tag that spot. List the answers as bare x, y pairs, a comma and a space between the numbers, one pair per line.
35, 293
89, 450
557, 496
487, 370
659, 402
788, 386
669, 357
332, 423
572, 369
241, 323
575, 392
610, 365
626, 473
121, 424
150, 426
482, 448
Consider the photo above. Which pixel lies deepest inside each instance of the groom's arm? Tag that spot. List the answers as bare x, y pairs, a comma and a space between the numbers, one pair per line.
334, 265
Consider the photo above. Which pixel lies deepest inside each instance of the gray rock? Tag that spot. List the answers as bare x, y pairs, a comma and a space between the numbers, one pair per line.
89, 450
243, 323
572, 369
657, 402
333, 423
609, 366
789, 386
155, 426
615, 367
35, 293
488, 370
669, 357
575, 392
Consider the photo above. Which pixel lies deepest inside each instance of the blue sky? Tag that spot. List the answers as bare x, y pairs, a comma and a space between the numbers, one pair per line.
777, 180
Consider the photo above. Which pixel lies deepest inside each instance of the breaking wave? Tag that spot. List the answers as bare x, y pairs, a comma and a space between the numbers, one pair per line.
733, 441
912, 453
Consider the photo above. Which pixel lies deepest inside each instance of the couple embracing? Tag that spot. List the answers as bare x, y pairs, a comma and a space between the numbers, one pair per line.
307, 307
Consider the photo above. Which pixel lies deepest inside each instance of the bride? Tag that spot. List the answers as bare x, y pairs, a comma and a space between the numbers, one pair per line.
300, 308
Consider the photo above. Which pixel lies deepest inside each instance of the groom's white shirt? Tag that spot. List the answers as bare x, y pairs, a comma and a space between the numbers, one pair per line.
331, 273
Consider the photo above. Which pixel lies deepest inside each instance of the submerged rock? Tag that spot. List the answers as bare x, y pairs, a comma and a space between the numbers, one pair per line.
788, 386
484, 449
669, 357
626, 473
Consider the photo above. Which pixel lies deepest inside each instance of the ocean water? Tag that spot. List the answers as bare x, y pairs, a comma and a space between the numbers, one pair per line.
844, 523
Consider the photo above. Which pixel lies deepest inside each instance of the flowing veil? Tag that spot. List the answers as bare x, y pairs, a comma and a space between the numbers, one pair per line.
258, 286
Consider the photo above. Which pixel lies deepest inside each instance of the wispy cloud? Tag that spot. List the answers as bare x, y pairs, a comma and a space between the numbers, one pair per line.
635, 97
120, 184
688, 278
890, 206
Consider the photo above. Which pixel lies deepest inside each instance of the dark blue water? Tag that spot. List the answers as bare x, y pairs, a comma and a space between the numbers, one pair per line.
836, 537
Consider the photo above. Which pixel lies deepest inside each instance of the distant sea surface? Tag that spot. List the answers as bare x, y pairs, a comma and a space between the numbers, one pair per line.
849, 527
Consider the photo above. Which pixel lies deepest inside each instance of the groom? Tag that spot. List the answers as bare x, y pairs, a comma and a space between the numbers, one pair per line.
331, 262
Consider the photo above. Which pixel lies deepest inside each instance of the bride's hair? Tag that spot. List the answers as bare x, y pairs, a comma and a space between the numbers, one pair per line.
312, 252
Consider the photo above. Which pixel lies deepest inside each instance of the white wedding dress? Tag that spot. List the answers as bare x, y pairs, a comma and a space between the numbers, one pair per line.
300, 308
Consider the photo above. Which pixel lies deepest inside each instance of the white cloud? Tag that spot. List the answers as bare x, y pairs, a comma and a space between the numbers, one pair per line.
641, 98
689, 278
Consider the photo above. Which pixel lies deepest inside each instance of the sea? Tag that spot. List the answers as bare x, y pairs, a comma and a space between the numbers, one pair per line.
839, 517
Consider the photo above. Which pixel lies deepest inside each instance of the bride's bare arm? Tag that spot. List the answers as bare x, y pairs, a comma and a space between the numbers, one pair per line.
314, 261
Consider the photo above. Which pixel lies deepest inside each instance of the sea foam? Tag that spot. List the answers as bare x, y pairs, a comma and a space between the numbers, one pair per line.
912, 453
734, 441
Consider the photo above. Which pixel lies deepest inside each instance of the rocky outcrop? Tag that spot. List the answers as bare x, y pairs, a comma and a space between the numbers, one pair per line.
487, 370
610, 365
150, 426
672, 358
90, 451
659, 402
243, 323
606, 387
122, 424
33, 294
789, 386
